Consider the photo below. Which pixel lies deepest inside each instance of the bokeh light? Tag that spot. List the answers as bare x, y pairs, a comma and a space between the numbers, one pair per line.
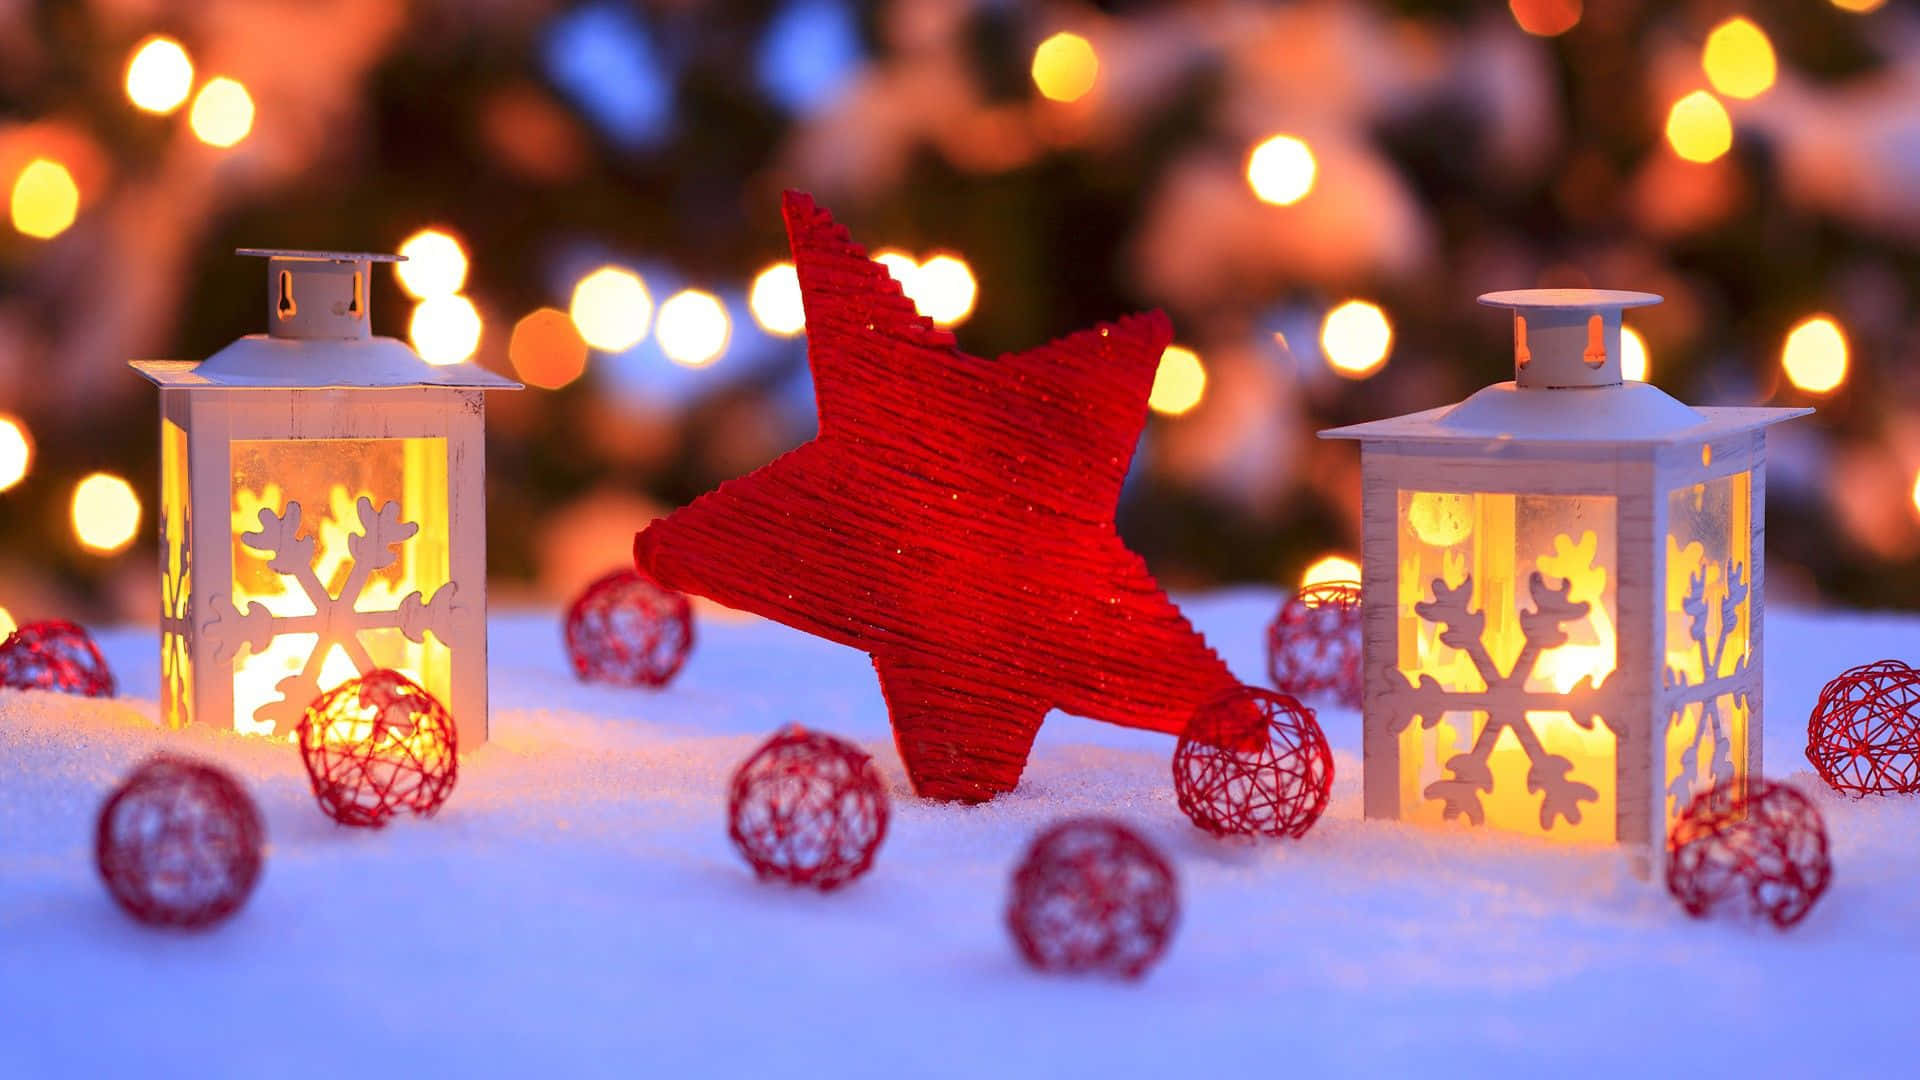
1179, 383
436, 264
1916, 493
1633, 355
1546, 18
612, 309
546, 349
159, 75
1858, 6
7, 625
1738, 59
45, 199
1065, 67
16, 452
1330, 568
693, 328
775, 300
1815, 355
1699, 128
944, 289
1281, 170
222, 112
106, 513
445, 329
1356, 338
901, 265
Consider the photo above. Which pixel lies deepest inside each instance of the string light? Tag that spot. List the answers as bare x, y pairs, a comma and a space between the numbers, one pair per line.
159, 75
1281, 170
1330, 568
222, 112
1699, 128
1815, 355
944, 289
1546, 18
436, 264
694, 328
1179, 383
546, 350
1633, 355
1065, 67
1738, 59
445, 329
775, 302
1356, 338
16, 452
106, 513
45, 199
612, 309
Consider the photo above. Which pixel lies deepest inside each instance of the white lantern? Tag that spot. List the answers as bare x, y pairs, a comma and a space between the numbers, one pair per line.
322, 511
1563, 581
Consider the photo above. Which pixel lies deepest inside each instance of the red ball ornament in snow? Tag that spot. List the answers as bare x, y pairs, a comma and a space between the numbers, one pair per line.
1253, 763
179, 843
1768, 846
54, 654
808, 809
376, 746
1314, 646
1092, 896
1864, 735
628, 631
954, 519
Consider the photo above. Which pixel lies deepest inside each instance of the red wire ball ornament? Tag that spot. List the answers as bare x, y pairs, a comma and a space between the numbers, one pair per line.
808, 809
1253, 762
377, 745
1092, 896
1863, 737
1314, 644
1768, 845
627, 630
54, 654
179, 843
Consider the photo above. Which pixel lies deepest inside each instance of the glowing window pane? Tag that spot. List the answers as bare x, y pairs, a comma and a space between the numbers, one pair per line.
1708, 632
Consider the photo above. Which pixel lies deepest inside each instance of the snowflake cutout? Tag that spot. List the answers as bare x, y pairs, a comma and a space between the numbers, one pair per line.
336, 620
1711, 648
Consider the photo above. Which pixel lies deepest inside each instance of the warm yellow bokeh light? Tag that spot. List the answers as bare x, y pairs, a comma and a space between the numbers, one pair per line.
45, 199
1065, 67
1699, 128
612, 309
436, 264
1281, 170
1546, 18
222, 112
1633, 355
445, 329
1330, 568
546, 350
1356, 338
16, 452
1815, 355
944, 289
1179, 383
1738, 59
106, 513
159, 76
7, 625
1916, 492
901, 265
1858, 6
693, 328
775, 300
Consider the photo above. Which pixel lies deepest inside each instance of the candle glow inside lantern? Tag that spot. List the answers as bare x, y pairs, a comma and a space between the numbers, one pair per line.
1562, 589
322, 511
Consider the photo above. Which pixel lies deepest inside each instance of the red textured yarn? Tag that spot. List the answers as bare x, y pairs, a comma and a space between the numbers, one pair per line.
954, 519
1253, 762
1092, 896
54, 654
1314, 644
179, 843
1768, 845
1864, 734
378, 745
627, 630
808, 809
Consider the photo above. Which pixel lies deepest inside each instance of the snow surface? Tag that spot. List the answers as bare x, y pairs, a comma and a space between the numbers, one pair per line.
576, 909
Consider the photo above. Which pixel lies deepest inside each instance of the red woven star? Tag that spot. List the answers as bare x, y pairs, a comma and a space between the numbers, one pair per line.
954, 518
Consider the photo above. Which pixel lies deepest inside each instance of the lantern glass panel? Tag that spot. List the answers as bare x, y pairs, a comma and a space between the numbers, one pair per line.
1708, 633
1466, 561
176, 575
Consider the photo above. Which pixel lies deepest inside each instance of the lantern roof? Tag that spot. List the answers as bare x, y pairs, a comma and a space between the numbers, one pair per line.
1567, 386
319, 336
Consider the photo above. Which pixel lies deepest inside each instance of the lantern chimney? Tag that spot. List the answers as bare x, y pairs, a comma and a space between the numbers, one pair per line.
318, 295
1566, 338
